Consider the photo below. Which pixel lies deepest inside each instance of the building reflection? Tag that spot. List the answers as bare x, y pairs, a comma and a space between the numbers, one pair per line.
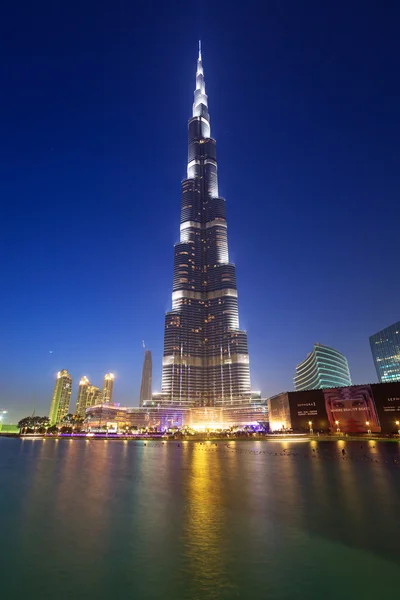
319, 474
43, 457
204, 521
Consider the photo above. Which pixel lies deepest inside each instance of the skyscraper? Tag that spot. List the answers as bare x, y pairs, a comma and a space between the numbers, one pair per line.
147, 373
324, 367
206, 360
108, 386
61, 397
88, 395
94, 397
385, 348
82, 398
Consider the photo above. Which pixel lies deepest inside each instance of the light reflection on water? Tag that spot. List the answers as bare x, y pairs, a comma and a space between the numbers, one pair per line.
189, 520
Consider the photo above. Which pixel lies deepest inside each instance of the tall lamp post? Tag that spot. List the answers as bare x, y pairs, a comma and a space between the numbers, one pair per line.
367, 424
311, 428
398, 427
337, 426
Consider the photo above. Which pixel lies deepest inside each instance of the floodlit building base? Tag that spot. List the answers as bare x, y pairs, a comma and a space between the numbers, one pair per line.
164, 417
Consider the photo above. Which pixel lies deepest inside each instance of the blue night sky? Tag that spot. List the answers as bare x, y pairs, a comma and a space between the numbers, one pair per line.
94, 103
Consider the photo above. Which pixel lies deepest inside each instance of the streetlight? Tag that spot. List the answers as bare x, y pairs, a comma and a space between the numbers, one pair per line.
337, 426
310, 426
398, 427
367, 424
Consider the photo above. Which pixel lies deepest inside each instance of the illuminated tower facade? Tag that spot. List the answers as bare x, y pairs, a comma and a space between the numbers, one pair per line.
88, 395
94, 397
108, 387
61, 397
147, 374
206, 360
82, 399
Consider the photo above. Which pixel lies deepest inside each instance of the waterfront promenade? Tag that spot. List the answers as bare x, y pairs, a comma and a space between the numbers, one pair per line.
213, 437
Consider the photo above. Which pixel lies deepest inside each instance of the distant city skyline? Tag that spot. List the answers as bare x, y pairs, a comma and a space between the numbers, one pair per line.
63, 402
305, 112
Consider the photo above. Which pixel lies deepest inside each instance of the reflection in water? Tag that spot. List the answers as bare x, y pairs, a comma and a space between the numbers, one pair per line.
199, 521
203, 528
321, 488
43, 461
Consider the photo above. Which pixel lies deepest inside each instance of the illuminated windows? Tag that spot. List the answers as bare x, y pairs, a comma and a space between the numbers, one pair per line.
205, 353
385, 348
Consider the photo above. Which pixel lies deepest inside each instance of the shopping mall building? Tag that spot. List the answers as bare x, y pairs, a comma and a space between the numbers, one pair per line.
163, 417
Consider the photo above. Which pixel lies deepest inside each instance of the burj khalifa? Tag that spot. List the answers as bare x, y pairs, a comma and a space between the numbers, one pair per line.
206, 359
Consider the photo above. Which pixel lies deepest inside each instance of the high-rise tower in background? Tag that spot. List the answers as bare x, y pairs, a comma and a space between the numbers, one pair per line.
82, 399
61, 397
147, 373
88, 395
324, 367
108, 386
385, 348
206, 360
94, 397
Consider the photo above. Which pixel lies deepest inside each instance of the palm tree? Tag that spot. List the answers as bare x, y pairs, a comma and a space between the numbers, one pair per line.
34, 423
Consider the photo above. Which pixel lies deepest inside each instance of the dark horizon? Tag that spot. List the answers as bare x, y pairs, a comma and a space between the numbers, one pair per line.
95, 103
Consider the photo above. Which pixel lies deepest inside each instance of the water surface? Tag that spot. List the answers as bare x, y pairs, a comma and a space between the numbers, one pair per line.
259, 520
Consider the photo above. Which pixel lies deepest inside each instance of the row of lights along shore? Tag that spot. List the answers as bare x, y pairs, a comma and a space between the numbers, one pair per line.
338, 427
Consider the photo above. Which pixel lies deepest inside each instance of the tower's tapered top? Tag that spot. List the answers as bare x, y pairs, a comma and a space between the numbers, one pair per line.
200, 104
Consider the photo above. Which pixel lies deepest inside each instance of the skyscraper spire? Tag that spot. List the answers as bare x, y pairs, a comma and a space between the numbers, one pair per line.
200, 104
206, 360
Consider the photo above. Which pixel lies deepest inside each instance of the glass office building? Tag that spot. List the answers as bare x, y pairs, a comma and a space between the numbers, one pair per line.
324, 367
385, 348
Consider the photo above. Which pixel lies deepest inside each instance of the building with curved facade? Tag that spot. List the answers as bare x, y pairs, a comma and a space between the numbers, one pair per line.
324, 367
206, 359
